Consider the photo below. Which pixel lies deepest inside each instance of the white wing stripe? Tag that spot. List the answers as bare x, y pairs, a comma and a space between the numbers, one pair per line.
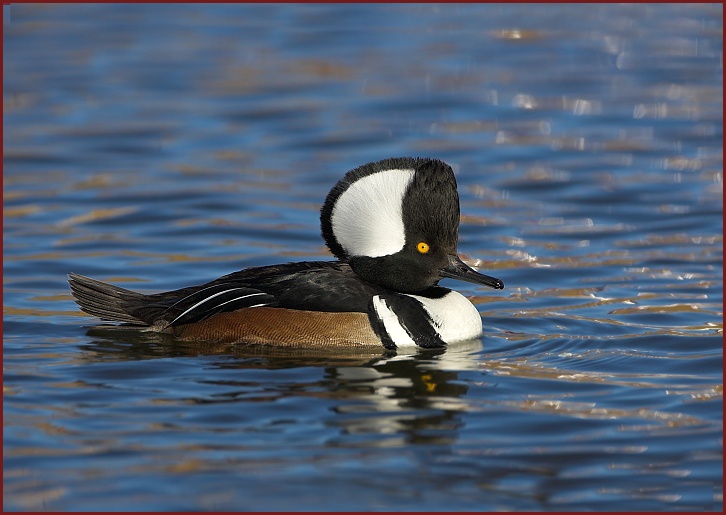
210, 298
243, 297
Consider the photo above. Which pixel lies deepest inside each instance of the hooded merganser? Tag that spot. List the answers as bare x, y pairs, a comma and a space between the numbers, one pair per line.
392, 224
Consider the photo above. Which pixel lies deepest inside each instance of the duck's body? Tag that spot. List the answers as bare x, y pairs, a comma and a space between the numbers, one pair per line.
319, 303
392, 224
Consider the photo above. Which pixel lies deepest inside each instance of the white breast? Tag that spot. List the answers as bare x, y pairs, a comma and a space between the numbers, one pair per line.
455, 317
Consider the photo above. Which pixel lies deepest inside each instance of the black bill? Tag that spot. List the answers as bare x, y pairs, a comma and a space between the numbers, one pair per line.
457, 269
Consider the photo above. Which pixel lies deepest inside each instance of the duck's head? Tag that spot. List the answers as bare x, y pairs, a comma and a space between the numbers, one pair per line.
396, 222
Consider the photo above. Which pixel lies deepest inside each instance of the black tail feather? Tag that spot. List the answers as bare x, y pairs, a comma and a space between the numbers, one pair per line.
106, 301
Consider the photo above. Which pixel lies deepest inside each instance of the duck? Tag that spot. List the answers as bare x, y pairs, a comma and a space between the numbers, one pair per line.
392, 226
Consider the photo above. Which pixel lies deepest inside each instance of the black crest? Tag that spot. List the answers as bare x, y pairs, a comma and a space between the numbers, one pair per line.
430, 206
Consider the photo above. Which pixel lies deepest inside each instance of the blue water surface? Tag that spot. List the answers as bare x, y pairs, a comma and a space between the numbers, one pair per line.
158, 146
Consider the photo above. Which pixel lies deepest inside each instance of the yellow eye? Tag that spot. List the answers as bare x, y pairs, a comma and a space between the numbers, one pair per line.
422, 247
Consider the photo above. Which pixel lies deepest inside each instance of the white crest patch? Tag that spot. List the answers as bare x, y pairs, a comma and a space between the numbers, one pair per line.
455, 317
392, 324
367, 219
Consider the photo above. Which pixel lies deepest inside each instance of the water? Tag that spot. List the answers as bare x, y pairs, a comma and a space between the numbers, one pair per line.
159, 146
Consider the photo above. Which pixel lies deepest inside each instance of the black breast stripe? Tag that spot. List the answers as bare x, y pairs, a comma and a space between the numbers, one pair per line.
379, 328
413, 318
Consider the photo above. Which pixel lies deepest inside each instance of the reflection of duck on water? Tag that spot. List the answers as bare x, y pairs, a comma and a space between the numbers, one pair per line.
401, 396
